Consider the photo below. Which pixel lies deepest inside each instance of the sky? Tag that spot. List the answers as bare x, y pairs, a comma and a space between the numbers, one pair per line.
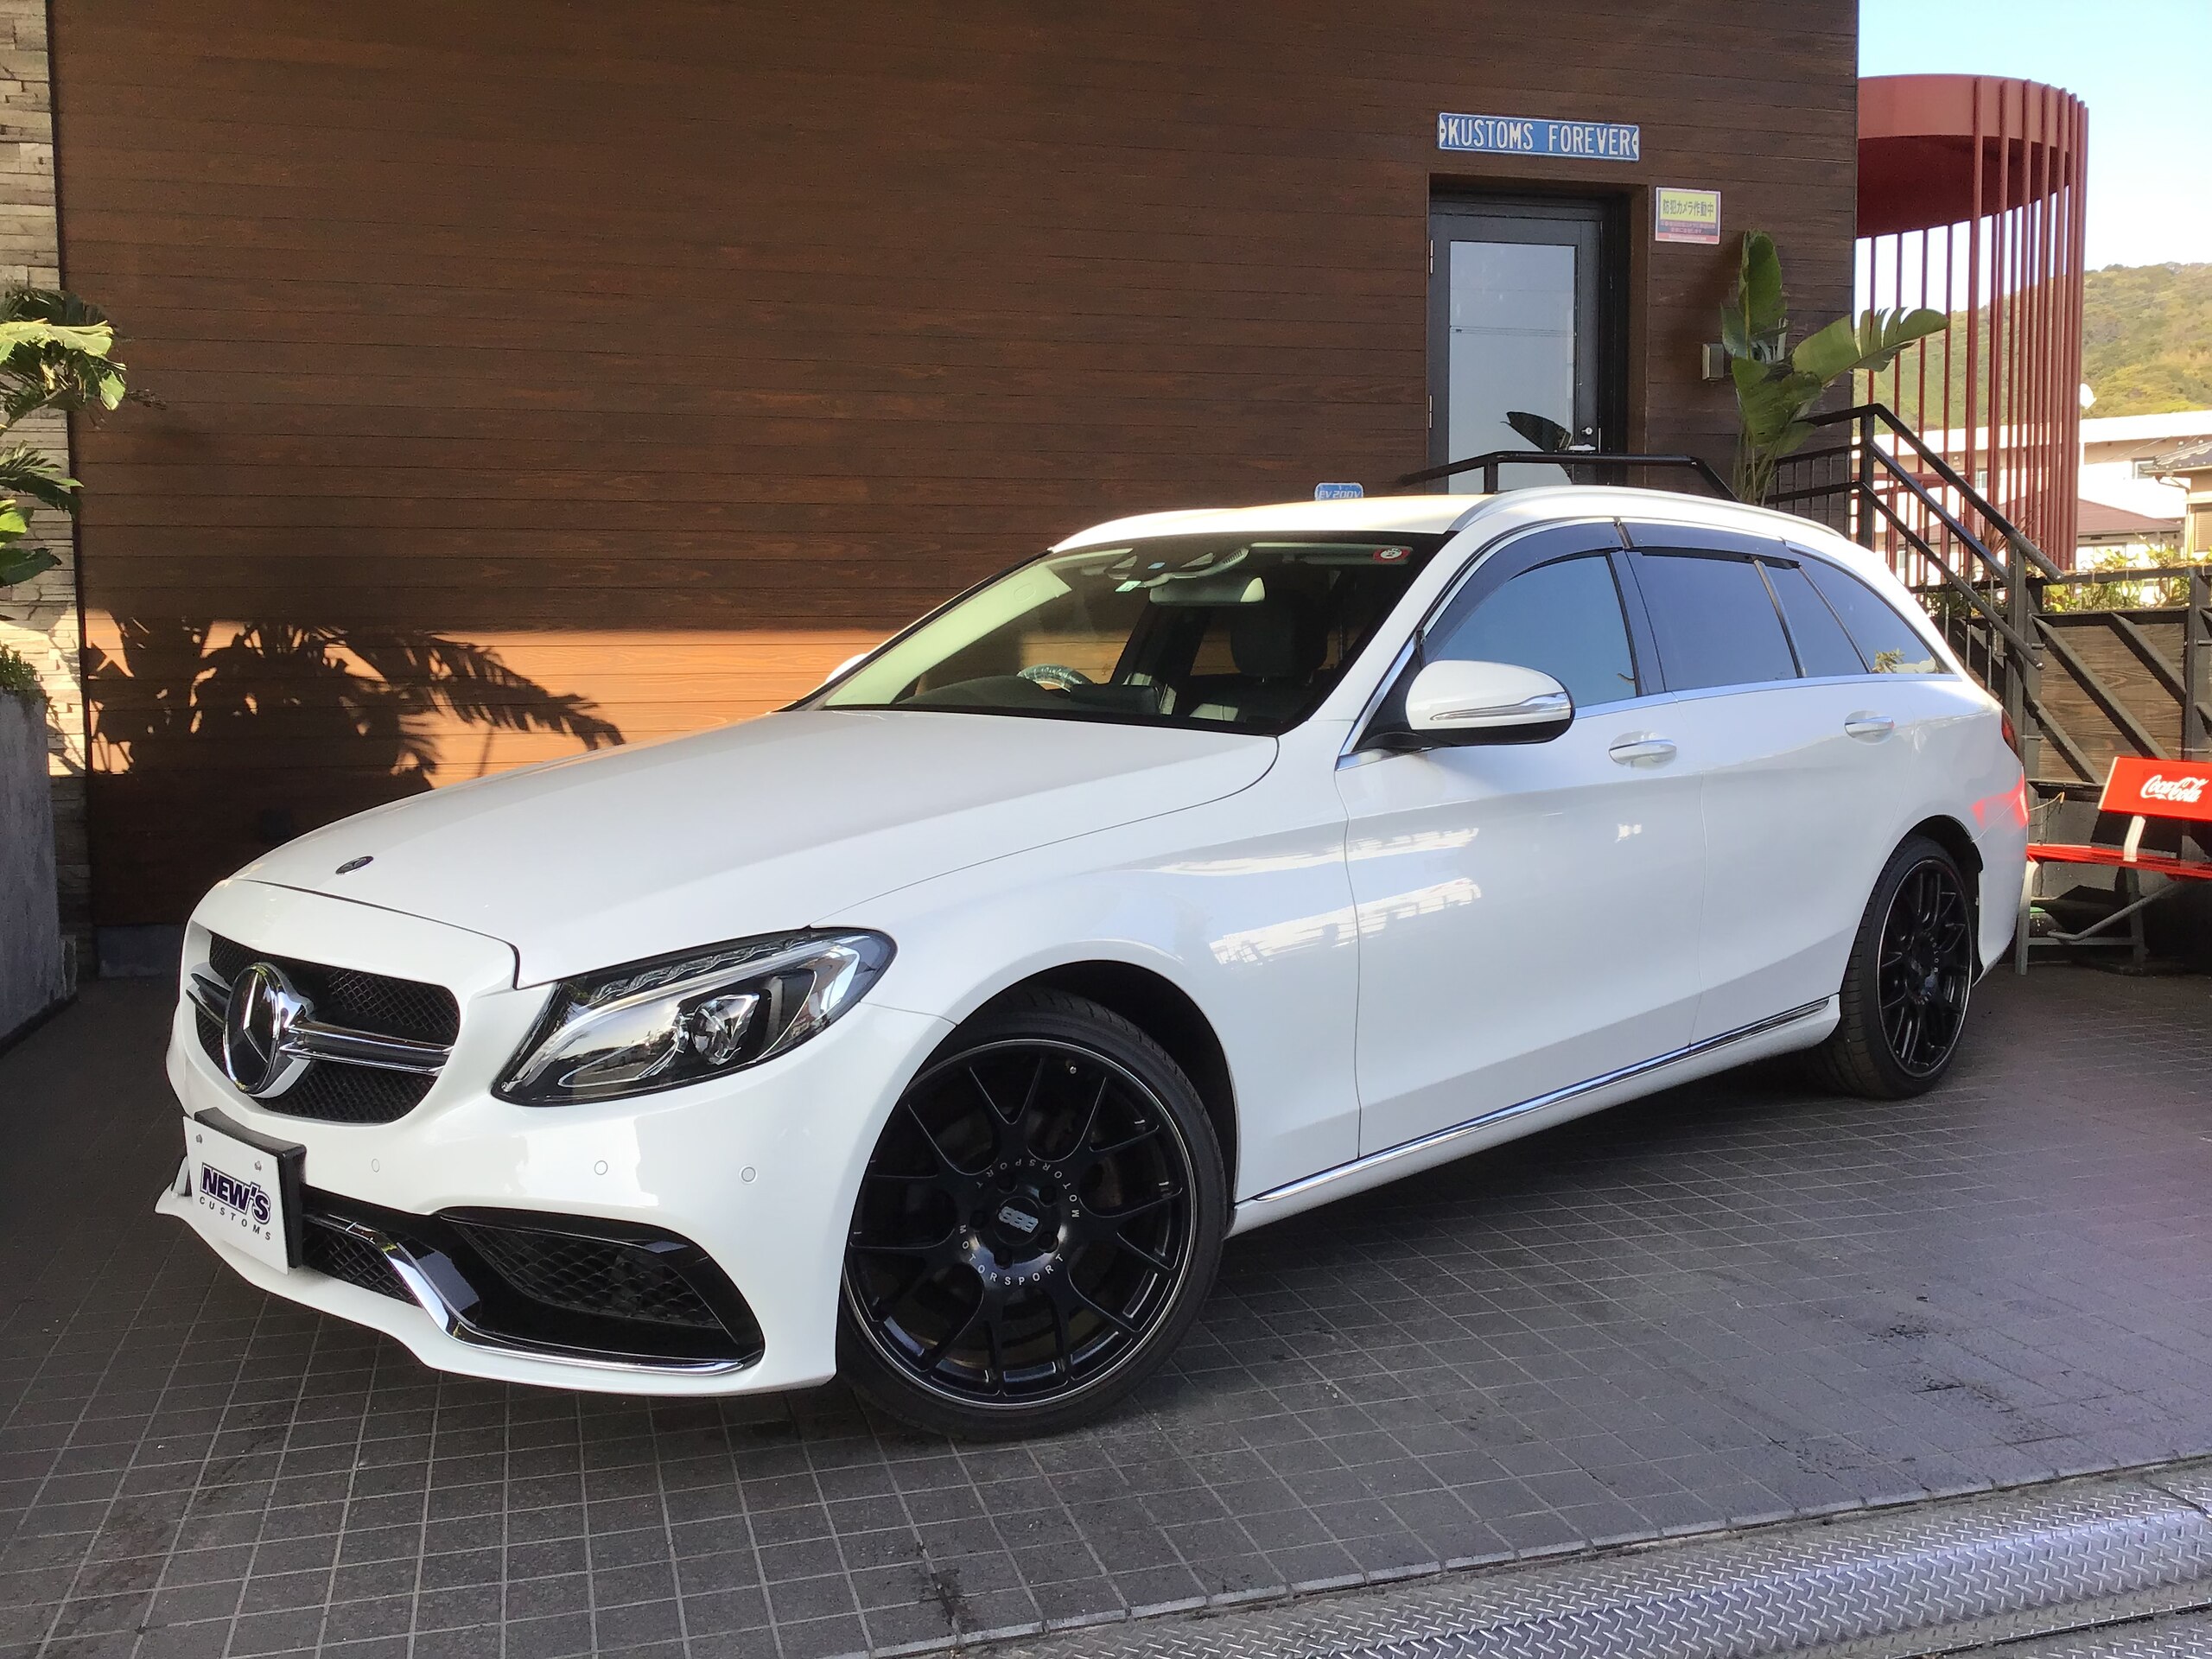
2143, 66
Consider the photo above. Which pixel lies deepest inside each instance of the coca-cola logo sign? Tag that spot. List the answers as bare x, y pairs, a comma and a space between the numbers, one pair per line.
2158, 788
2145, 787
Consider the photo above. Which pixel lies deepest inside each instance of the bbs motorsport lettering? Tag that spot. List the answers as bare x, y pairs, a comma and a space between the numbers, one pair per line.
249, 1200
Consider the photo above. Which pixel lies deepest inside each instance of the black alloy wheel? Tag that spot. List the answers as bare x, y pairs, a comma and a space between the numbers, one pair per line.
1911, 973
1926, 967
1037, 1227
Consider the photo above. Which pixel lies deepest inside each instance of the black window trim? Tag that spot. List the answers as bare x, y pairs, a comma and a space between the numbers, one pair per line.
1782, 615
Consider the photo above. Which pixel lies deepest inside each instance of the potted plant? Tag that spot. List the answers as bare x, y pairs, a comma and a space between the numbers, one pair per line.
1778, 384
54, 355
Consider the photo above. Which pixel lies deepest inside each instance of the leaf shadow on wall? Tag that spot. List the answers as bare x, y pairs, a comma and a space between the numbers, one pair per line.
213, 743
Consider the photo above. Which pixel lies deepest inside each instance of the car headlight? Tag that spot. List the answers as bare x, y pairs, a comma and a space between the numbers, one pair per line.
648, 1025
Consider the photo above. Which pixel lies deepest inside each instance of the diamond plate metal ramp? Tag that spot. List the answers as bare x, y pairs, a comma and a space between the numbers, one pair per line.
2187, 1636
1936, 1577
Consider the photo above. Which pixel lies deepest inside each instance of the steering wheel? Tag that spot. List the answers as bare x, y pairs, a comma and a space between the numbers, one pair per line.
1054, 676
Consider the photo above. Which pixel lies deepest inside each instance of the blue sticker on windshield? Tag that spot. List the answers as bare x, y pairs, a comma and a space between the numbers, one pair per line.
1338, 492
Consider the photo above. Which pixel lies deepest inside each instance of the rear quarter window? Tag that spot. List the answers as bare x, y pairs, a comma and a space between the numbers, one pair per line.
1886, 640
1823, 648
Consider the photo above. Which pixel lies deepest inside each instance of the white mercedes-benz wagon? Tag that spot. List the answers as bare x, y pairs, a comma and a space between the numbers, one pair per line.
936, 1031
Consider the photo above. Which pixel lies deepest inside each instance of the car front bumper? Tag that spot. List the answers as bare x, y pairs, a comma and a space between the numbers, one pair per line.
760, 1171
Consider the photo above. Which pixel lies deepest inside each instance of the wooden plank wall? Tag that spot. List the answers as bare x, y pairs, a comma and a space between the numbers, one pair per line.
669, 353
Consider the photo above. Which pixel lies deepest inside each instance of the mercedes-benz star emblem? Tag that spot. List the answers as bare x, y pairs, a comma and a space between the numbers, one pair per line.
257, 1026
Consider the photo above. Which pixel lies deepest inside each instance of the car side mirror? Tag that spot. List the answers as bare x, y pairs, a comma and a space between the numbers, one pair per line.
1454, 703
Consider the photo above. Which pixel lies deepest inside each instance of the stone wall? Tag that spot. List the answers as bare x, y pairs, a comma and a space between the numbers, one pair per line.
40, 619
31, 979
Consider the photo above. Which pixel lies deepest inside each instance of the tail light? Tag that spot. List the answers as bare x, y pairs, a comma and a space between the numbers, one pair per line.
2012, 737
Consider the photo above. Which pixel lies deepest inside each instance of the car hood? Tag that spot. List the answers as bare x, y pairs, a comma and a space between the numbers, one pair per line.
773, 823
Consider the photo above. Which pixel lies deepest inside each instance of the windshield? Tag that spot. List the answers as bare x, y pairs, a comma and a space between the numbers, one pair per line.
1206, 631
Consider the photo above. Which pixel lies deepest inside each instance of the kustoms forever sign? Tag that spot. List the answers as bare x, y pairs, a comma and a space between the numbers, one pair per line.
1537, 135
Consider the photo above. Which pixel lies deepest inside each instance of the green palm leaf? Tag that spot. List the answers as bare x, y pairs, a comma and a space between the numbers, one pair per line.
19, 564
1862, 345
1776, 388
23, 471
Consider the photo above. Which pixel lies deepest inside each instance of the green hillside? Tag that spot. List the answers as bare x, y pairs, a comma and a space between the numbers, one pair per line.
2146, 338
2146, 347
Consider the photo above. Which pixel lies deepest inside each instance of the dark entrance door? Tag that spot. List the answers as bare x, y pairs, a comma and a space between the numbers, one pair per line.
1518, 321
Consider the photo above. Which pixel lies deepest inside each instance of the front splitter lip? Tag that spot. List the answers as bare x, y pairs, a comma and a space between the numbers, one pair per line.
440, 1338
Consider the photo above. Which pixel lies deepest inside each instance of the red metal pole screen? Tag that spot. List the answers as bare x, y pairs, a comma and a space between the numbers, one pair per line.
1970, 202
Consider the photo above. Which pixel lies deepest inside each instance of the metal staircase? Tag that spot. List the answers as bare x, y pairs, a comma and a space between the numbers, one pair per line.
2080, 684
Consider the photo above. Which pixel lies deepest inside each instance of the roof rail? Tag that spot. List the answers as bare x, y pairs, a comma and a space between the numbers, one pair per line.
1490, 463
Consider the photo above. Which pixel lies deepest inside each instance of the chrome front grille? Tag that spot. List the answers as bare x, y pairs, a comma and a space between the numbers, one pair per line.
346, 996
373, 1047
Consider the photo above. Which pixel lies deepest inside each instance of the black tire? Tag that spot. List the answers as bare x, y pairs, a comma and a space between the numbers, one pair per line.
1039, 1223
1912, 973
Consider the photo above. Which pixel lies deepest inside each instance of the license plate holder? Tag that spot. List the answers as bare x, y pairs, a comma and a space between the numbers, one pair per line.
246, 1188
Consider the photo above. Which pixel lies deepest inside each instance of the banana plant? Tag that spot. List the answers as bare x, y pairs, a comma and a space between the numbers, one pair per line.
1776, 384
55, 354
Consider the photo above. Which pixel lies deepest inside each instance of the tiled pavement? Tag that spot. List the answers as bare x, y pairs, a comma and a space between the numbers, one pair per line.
1734, 1302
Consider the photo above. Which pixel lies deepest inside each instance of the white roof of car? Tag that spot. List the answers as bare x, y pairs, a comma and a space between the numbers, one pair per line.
1438, 513
1374, 512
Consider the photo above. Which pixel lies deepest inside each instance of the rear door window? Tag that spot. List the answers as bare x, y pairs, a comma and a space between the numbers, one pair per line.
1886, 640
1714, 619
1823, 648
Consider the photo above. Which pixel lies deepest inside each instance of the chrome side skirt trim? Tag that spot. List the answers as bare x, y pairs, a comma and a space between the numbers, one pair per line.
455, 1323
1438, 1138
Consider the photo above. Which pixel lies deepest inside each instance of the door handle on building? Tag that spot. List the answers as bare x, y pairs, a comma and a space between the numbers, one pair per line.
1643, 750
1869, 727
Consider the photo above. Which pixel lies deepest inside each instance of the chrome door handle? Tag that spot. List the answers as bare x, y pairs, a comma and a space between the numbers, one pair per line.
1869, 727
1642, 751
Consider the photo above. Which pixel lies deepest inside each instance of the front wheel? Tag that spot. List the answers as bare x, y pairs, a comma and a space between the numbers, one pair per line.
1037, 1227
1911, 970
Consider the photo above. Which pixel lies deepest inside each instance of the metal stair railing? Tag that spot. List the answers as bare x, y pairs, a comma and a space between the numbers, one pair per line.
1579, 466
1980, 577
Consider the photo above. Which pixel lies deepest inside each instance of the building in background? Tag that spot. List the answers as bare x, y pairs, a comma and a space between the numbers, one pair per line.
624, 372
2129, 513
2188, 466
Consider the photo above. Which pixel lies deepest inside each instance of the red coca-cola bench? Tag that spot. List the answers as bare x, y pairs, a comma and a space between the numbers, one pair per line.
2148, 791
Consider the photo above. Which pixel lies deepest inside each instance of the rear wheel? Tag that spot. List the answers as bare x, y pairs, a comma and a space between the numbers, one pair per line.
1037, 1227
1904, 996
